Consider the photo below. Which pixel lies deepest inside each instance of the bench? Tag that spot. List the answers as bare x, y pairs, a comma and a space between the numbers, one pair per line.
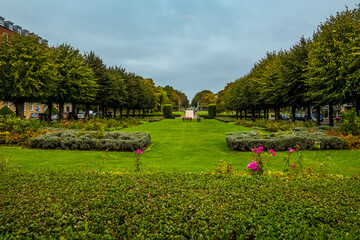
187, 118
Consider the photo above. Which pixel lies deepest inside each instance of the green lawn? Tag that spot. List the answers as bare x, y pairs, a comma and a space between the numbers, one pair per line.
176, 146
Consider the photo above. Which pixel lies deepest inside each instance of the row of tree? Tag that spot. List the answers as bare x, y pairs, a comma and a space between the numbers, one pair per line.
33, 72
324, 70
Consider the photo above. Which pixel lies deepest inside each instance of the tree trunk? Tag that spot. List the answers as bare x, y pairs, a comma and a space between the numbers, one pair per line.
357, 104
318, 115
87, 109
253, 114
236, 113
309, 113
114, 112
331, 114
134, 113
143, 113
61, 111
20, 109
276, 114
293, 108
128, 112
245, 112
121, 113
49, 104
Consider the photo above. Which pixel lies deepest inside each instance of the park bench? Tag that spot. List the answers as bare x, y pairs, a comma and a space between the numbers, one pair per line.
189, 115
187, 118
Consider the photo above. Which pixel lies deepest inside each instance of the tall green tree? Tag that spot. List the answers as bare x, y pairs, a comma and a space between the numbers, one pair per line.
75, 82
334, 61
293, 72
26, 74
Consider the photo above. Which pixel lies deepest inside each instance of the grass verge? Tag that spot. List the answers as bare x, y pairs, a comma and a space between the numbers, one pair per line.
176, 146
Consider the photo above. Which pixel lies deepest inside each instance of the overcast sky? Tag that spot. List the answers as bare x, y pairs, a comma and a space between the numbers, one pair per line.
191, 45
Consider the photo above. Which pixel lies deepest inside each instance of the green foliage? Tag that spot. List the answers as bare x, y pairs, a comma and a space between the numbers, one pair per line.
5, 111
350, 123
168, 110
27, 72
72, 140
246, 141
54, 110
212, 110
269, 125
203, 98
223, 168
85, 205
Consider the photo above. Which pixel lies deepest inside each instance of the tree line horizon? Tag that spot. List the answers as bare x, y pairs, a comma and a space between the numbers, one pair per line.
314, 72
33, 72
323, 70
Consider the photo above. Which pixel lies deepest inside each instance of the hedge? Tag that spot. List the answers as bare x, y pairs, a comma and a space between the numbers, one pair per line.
53, 205
245, 141
77, 140
168, 110
212, 110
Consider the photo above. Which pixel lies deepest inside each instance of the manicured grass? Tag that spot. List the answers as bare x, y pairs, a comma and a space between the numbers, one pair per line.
176, 146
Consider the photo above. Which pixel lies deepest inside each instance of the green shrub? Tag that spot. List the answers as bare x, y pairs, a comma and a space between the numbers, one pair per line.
77, 140
81, 205
246, 141
212, 110
5, 111
168, 110
350, 123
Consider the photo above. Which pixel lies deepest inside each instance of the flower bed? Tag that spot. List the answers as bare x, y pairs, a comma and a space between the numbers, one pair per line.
78, 140
245, 141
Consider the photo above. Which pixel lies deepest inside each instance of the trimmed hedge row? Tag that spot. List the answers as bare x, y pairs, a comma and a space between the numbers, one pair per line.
168, 110
245, 141
51, 205
77, 140
212, 110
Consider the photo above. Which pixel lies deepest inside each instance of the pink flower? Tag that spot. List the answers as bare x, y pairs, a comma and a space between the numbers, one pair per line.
294, 166
77, 121
254, 149
295, 126
253, 166
139, 151
274, 154
291, 150
60, 124
80, 121
67, 123
261, 148
258, 151
272, 150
